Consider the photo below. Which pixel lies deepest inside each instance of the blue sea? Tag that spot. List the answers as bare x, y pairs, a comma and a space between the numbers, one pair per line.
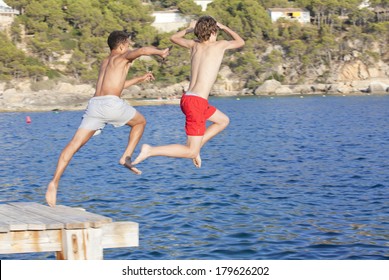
290, 178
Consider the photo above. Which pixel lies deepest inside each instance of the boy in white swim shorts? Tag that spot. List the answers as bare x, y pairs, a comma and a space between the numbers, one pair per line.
107, 107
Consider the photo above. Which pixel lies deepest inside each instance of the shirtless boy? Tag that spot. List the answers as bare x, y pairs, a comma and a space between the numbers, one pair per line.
106, 106
206, 56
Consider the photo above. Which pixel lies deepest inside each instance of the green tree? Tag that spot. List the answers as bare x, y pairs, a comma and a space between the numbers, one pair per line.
189, 7
14, 64
76, 65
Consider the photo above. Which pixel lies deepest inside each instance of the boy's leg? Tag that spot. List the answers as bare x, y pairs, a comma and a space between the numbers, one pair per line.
220, 122
79, 139
137, 124
190, 150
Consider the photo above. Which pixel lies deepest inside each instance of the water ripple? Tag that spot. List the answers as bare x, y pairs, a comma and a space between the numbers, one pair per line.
290, 178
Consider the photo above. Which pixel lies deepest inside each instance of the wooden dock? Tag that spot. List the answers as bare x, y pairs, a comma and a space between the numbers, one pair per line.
72, 233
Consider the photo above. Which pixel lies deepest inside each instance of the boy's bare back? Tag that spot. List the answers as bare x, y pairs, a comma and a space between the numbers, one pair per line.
112, 75
206, 56
206, 59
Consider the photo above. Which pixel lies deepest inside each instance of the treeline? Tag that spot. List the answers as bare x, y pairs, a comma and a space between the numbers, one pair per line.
52, 28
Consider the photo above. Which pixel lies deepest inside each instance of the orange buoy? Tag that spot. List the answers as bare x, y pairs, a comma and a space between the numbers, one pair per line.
28, 119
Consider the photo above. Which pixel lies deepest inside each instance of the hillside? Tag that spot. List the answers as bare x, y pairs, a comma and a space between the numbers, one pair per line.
344, 49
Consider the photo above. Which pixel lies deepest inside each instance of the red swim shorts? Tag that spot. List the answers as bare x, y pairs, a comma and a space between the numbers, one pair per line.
197, 111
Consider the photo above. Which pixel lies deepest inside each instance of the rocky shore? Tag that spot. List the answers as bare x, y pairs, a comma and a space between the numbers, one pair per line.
49, 96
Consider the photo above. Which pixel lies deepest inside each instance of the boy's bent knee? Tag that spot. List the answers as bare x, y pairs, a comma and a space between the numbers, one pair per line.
139, 119
143, 121
192, 153
225, 121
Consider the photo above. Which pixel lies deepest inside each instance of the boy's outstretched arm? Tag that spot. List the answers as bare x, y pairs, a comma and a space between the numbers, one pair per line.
179, 39
237, 41
134, 54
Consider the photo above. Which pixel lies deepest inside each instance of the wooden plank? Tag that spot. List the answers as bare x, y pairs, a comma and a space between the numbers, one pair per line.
49, 223
20, 216
30, 241
120, 234
95, 220
81, 244
4, 227
53, 214
10, 224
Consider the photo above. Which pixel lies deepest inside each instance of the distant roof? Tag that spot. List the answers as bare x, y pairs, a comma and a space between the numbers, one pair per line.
287, 10
3, 5
5, 9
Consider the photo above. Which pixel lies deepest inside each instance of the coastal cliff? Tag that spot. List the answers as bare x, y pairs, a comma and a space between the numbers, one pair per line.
352, 78
53, 65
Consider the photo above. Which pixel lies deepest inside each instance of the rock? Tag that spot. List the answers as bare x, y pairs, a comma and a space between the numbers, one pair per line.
228, 83
25, 85
302, 89
269, 86
132, 92
354, 70
344, 88
75, 89
283, 90
377, 87
88, 89
65, 87
321, 87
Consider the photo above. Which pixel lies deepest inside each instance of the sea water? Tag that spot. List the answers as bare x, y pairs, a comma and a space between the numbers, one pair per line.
290, 178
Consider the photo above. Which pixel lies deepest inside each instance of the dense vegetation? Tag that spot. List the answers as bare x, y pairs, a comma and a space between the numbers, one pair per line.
52, 28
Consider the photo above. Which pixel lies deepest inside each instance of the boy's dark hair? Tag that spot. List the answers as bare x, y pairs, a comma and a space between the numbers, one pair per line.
205, 26
116, 38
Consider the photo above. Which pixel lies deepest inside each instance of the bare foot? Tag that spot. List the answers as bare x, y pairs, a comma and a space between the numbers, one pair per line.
144, 153
127, 163
197, 161
51, 194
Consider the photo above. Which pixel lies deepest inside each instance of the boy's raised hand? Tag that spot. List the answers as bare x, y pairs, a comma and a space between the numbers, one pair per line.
147, 77
221, 26
192, 24
165, 52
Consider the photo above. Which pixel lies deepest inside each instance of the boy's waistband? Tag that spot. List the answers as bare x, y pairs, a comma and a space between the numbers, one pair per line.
189, 93
104, 97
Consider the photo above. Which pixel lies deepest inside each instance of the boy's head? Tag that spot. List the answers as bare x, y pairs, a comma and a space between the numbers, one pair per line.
116, 38
205, 26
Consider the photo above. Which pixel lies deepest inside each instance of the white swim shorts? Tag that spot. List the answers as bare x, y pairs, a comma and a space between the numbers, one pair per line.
107, 109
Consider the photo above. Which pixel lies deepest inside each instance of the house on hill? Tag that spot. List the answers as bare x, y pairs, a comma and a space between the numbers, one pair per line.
7, 15
171, 20
203, 4
297, 14
167, 21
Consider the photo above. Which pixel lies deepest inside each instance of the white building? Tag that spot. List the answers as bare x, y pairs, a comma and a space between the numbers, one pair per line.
203, 4
364, 4
7, 15
167, 21
297, 14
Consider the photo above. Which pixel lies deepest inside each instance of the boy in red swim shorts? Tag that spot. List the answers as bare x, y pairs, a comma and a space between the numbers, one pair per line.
206, 56
197, 111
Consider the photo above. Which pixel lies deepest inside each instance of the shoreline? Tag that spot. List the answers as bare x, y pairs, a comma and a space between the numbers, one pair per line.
81, 105
67, 97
